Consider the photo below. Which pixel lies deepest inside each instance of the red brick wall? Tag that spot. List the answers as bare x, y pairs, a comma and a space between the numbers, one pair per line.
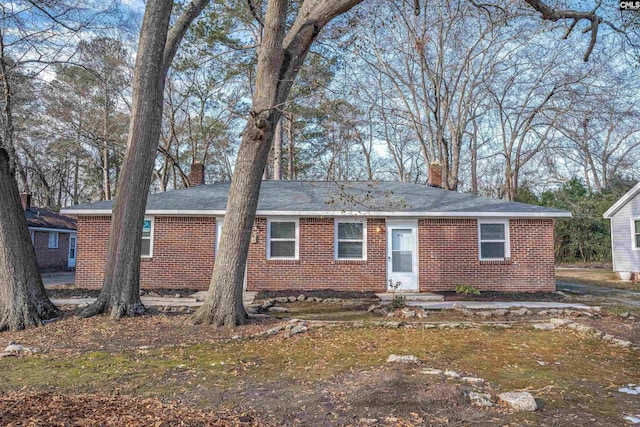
448, 256
183, 249
51, 259
183, 255
316, 267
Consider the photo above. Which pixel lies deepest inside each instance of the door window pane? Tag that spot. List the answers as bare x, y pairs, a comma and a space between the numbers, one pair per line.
401, 240
402, 250
402, 261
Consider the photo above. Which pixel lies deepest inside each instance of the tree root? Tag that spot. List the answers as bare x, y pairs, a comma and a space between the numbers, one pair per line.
28, 318
230, 317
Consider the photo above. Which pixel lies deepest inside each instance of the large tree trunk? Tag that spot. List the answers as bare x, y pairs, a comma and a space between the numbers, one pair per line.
120, 294
23, 300
277, 150
279, 61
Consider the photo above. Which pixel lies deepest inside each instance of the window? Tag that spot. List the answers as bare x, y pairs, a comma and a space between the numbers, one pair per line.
282, 239
53, 240
493, 240
635, 225
147, 238
350, 239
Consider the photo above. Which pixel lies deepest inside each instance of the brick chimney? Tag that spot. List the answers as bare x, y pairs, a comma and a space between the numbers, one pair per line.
25, 198
196, 177
435, 174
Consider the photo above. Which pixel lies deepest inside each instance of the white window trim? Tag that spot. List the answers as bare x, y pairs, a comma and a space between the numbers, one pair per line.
507, 239
336, 240
150, 238
297, 237
633, 234
219, 225
55, 245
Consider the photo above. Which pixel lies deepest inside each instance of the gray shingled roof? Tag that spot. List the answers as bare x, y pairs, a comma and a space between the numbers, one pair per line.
320, 197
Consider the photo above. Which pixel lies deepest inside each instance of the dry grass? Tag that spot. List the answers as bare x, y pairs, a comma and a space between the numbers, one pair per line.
594, 276
271, 376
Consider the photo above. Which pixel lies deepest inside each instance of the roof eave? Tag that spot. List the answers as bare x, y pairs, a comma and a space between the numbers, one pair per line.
622, 201
182, 212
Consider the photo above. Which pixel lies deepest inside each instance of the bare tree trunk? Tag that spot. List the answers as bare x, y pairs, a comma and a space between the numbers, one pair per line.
279, 61
290, 149
23, 300
277, 151
120, 294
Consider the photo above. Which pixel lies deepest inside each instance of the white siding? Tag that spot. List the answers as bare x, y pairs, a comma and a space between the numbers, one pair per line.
625, 258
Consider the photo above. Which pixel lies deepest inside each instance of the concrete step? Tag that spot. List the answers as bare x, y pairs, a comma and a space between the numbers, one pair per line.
410, 296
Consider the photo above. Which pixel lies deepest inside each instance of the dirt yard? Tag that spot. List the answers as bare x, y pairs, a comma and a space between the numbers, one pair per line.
159, 370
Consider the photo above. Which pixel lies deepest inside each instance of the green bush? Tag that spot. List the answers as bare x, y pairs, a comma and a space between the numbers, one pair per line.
466, 290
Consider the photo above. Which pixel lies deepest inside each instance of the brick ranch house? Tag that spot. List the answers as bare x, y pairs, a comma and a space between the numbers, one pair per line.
53, 236
362, 236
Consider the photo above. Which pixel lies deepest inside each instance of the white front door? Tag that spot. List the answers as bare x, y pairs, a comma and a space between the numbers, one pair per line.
72, 252
402, 256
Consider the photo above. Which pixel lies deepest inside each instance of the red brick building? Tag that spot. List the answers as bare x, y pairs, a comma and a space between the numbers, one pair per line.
53, 236
345, 236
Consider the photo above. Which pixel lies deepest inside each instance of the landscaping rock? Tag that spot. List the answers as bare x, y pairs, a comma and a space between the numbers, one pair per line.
621, 343
395, 358
520, 312
372, 307
301, 297
14, 348
484, 313
519, 400
153, 294
607, 337
282, 299
277, 310
482, 400
292, 299
559, 322
393, 325
408, 313
274, 330
449, 325
452, 374
298, 329
368, 421
431, 371
544, 326
500, 312
473, 380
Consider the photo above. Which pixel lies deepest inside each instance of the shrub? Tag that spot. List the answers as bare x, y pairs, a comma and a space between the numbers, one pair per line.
467, 290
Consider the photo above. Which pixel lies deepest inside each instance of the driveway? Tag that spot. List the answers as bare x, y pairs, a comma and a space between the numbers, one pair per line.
614, 295
59, 278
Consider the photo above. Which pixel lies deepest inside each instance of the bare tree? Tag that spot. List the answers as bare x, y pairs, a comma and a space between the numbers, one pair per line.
280, 57
157, 47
